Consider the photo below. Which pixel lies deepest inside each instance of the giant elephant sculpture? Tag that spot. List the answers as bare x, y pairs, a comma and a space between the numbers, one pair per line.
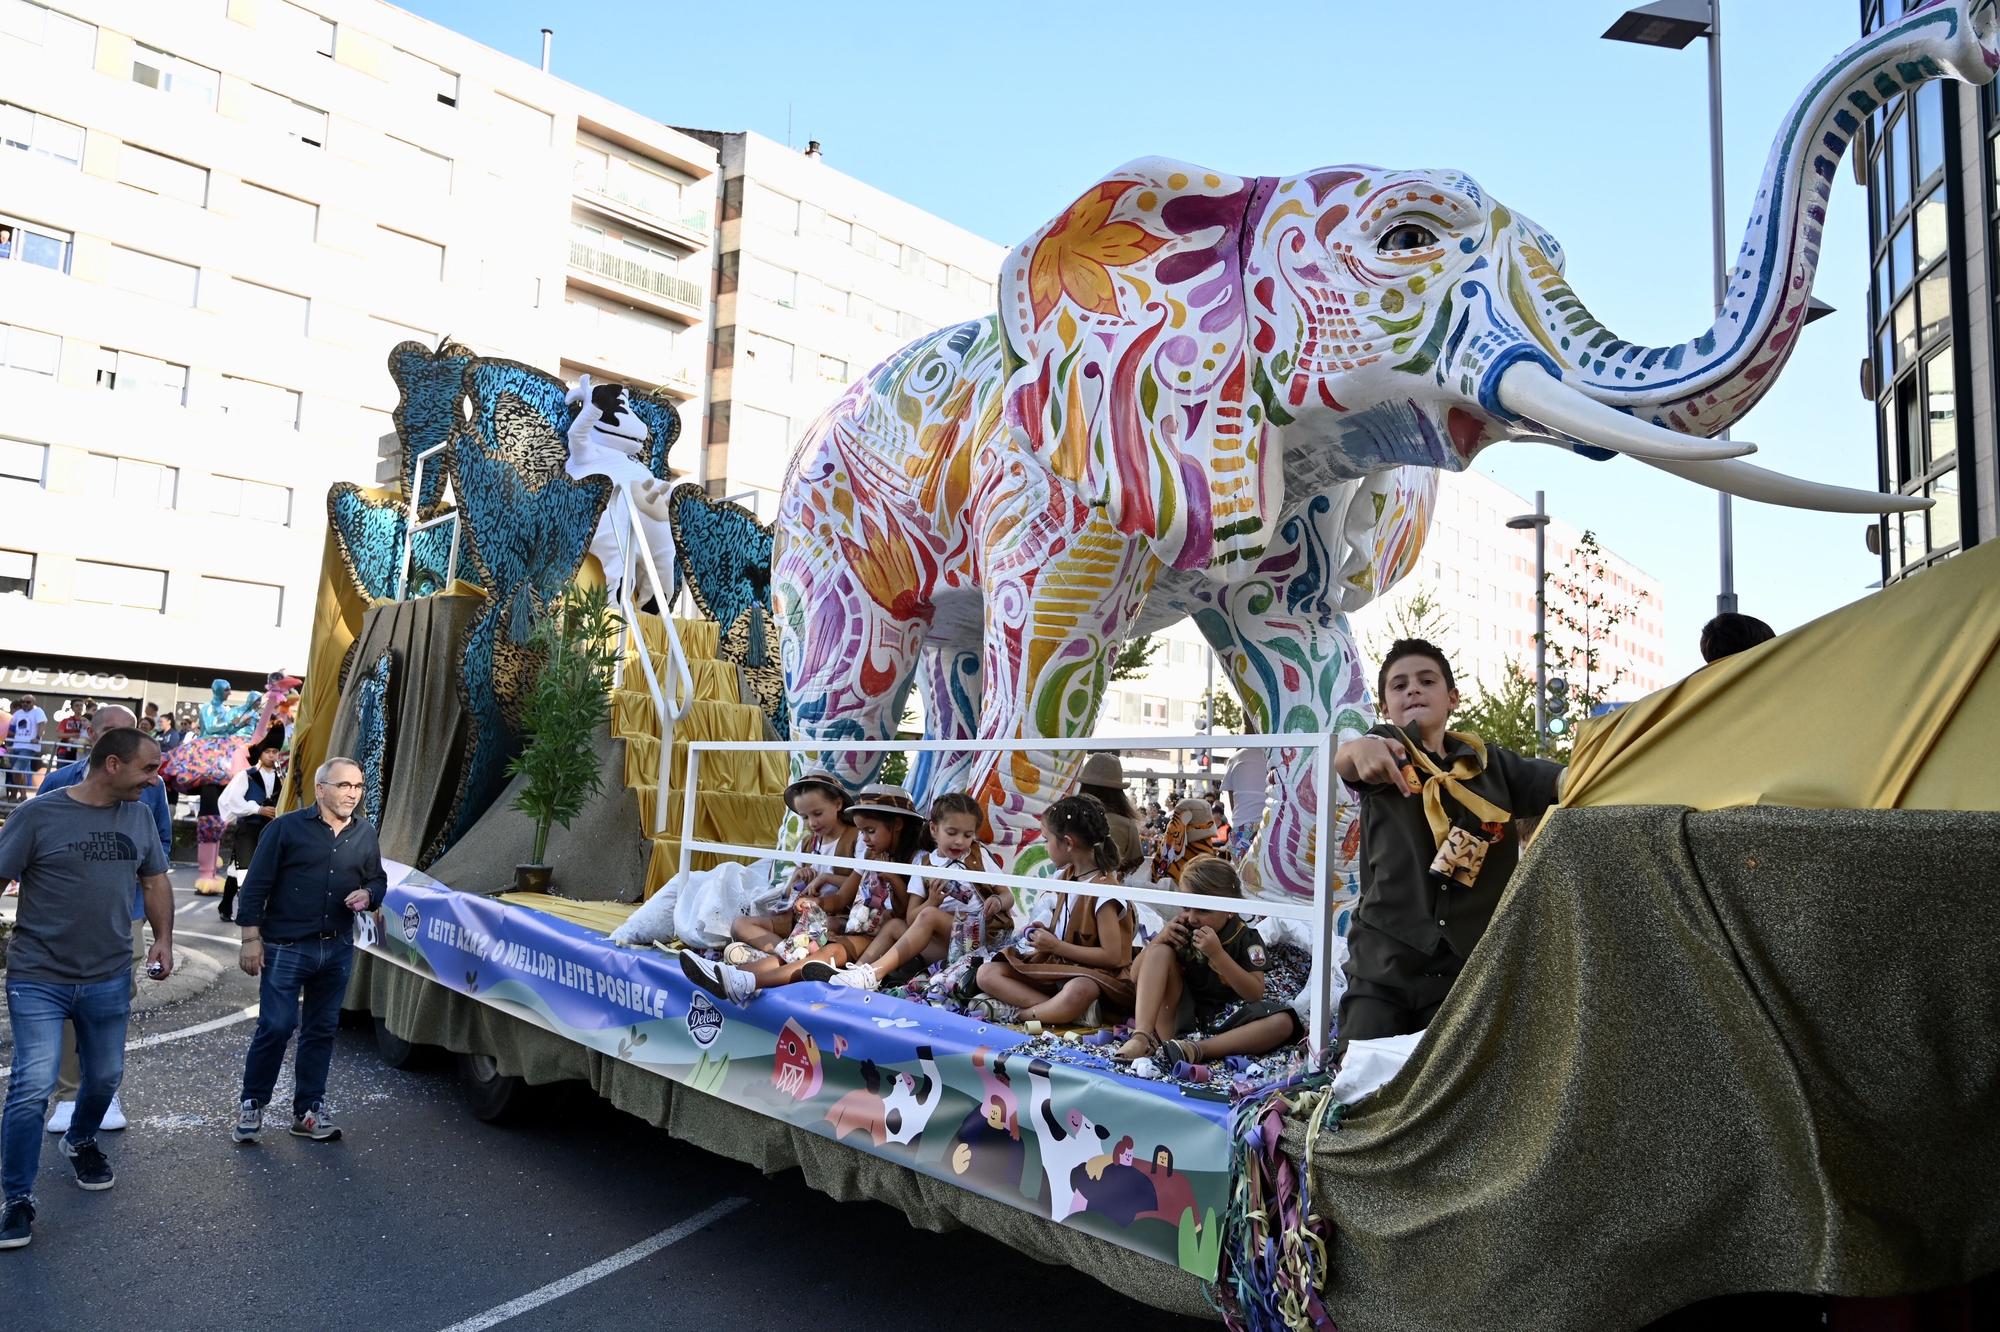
1224, 396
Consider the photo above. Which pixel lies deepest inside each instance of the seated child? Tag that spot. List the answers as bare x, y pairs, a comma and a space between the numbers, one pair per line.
944, 915
1191, 831
818, 798
1058, 973
1199, 991
841, 926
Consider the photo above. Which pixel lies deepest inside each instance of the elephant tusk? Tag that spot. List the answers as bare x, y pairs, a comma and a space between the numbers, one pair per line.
1768, 487
1529, 391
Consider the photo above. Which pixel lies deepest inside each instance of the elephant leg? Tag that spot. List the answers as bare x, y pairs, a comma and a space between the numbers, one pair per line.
848, 659
1052, 625
948, 679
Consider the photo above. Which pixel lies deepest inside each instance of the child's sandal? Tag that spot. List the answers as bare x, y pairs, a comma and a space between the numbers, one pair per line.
1183, 1051
1150, 1044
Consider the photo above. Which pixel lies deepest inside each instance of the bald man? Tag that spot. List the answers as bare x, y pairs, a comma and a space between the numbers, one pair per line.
69, 1077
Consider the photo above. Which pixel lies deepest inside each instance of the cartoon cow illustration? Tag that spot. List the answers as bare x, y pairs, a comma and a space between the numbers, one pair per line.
1069, 1142
901, 1114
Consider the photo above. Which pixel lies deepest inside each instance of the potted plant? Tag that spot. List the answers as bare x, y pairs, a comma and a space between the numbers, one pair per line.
576, 641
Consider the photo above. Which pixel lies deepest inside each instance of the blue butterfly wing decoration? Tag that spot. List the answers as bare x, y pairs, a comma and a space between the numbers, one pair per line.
663, 426
368, 534
527, 527
428, 384
725, 555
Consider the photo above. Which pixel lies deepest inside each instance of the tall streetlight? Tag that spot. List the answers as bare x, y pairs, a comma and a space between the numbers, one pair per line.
1673, 24
1539, 520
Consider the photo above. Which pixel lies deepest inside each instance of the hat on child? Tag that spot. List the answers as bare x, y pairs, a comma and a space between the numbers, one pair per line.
1196, 817
883, 799
815, 779
1102, 769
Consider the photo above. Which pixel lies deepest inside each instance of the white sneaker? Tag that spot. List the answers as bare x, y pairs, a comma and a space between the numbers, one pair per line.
733, 984
740, 954
860, 976
59, 1121
114, 1116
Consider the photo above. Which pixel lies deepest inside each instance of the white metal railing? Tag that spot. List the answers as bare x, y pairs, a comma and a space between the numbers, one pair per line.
638, 553
412, 526
1317, 913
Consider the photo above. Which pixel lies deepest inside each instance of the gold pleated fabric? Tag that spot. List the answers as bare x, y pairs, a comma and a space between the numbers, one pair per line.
1890, 703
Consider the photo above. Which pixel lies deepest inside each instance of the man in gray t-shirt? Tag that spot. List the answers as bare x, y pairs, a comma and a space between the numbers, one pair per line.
76, 852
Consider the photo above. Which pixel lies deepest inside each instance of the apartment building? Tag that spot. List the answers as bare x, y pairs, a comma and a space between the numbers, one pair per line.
216, 218
819, 277
1479, 574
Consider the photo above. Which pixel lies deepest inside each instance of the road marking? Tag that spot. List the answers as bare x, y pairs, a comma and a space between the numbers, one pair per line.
555, 1290
179, 1034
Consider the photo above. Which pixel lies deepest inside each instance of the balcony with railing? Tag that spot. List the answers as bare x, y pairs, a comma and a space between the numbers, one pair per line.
630, 348
625, 190
632, 279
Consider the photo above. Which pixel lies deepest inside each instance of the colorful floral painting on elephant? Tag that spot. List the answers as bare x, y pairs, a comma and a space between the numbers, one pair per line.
1227, 397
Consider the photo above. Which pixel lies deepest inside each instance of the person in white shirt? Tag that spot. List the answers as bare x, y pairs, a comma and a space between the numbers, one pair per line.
250, 801
24, 745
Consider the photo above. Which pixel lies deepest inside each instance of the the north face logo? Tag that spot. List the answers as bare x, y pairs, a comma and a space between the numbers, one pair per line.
107, 846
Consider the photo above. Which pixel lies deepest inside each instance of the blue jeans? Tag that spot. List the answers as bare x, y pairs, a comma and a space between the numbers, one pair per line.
311, 975
37, 1011
21, 770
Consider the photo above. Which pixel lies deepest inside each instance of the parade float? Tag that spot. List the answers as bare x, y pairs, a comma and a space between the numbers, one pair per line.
1673, 1062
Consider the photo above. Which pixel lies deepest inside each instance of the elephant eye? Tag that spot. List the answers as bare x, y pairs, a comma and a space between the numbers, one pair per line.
1407, 236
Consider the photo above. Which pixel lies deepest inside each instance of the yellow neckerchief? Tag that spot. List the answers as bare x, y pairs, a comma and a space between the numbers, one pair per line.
1438, 780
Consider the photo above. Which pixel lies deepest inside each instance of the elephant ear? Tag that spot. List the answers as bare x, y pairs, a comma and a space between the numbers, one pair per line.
1128, 360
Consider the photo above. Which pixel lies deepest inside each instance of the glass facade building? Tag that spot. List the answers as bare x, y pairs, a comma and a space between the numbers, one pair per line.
1930, 161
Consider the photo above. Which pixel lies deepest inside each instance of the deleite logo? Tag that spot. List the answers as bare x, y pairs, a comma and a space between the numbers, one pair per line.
704, 1020
411, 920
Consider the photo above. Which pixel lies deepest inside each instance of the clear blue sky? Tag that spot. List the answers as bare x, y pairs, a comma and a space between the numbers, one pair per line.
996, 115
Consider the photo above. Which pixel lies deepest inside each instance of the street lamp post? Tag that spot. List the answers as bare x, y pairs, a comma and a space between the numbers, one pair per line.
1539, 520
1673, 24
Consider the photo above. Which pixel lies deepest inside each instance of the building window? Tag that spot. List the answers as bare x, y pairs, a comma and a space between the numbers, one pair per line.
772, 358
937, 272
278, 216
260, 404
131, 481
120, 585
529, 124
833, 369
412, 256
44, 136
427, 76
430, 170
256, 501
280, 311
837, 228
149, 275
770, 282
62, 39
29, 351
772, 209
1153, 711
33, 243
389, 334
299, 120
22, 461
755, 430
144, 169
17, 574
154, 68
235, 602
142, 377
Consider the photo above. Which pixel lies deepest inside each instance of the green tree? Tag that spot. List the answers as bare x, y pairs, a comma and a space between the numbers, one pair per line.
1583, 615
1418, 615
1135, 658
1506, 715
1224, 712
896, 766
575, 638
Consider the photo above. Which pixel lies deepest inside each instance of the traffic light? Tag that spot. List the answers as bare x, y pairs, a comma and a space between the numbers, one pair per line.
1555, 705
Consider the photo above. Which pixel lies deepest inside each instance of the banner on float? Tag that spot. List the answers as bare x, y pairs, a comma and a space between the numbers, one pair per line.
1133, 1162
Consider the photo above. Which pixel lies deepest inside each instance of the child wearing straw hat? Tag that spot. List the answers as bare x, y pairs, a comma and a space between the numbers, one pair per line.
818, 798
891, 833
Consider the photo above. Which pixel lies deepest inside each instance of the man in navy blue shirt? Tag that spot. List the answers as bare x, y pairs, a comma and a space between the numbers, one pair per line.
69, 1076
314, 868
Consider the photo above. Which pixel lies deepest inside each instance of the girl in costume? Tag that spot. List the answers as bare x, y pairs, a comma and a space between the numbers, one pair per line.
1199, 987
1059, 973
944, 918
891, 830
1191, 832
818, 798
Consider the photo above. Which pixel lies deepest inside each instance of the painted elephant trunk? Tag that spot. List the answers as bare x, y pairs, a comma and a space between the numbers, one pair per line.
1704, 385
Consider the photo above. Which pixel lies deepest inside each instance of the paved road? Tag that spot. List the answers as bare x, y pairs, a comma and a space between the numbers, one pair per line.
424, 1218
